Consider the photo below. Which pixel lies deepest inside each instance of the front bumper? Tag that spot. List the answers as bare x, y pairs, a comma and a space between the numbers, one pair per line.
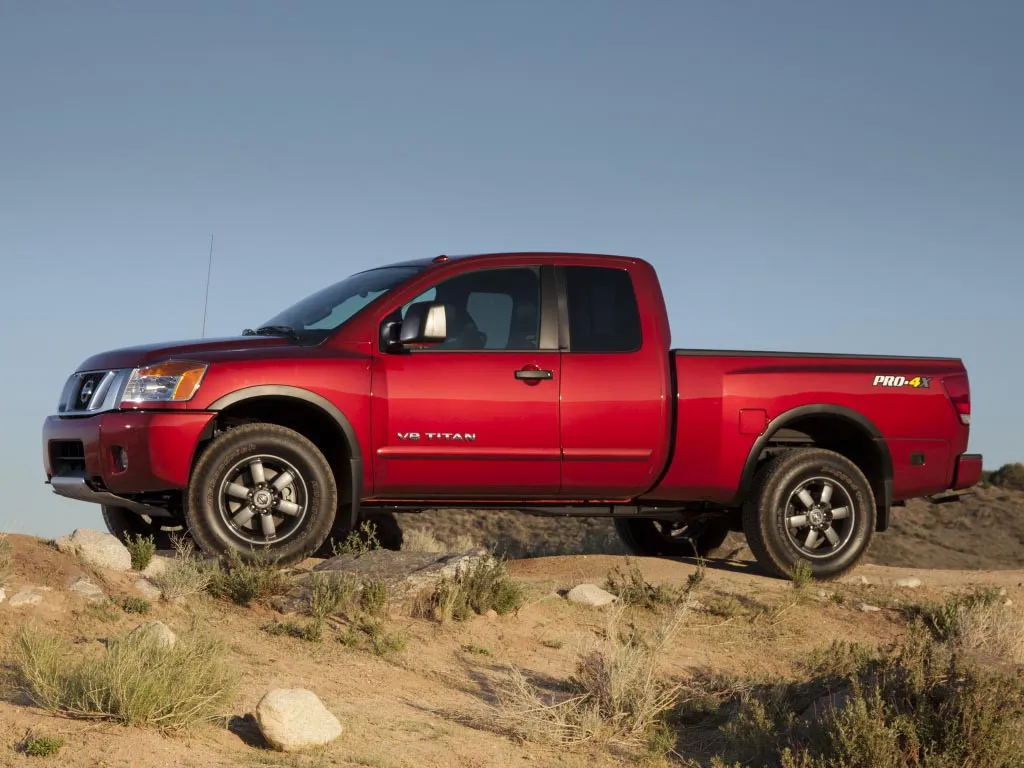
121, 452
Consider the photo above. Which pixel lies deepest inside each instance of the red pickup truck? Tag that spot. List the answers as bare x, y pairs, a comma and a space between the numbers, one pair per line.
542, 382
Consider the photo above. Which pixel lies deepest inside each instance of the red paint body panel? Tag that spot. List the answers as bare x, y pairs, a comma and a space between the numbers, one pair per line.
160, 447
654, 425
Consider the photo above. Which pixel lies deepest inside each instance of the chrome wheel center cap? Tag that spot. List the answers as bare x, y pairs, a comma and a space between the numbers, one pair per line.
262, 499
816, 517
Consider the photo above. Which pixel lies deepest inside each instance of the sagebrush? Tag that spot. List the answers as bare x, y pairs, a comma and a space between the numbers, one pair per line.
482, 586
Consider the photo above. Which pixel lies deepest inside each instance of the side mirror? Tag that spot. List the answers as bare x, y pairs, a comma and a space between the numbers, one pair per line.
426, 322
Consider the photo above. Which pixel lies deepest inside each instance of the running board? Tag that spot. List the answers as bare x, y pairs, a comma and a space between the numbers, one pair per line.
949, 498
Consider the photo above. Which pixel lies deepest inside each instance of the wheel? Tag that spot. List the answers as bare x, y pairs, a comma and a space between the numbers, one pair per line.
810, 505
661, 538
124, 523
386, 529
261, 487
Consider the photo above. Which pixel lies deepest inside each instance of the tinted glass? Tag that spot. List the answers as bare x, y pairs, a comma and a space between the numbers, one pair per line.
496, 309
603, 311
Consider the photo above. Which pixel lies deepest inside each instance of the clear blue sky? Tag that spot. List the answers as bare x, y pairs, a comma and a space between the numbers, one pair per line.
842, 177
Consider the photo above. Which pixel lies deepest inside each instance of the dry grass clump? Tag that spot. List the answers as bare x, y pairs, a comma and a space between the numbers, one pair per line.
919, 702
243, 582
187, 575
977, 620
483, 586
136, 680
632, 588
616, 693
6, 560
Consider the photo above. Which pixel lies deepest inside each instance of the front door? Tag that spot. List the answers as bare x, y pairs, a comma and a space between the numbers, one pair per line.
476, 416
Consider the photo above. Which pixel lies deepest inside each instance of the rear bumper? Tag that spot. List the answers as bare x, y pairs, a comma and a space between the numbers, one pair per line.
967, 471
120, 452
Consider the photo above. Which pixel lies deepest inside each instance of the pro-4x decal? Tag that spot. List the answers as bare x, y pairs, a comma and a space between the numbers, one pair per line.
918, 382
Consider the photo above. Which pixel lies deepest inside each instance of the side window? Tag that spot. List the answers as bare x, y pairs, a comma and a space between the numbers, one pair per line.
489, 309
603, 311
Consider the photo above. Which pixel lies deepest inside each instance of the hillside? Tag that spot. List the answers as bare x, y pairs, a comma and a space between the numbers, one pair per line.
418, 691
981, 532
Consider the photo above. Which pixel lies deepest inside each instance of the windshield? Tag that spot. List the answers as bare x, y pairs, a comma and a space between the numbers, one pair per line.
325, 310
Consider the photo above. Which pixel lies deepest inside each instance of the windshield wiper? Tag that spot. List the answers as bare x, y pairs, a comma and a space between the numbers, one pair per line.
273, 330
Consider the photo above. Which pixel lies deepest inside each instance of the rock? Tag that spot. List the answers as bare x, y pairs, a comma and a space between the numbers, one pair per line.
26, 596
1007, 602
491, 613
148, 589
868, 608
1002, 591
157, 566
82, 587
292, 719
404, 573
95, 548
910, 582
590, 594
819, 708
157, 630
3, 594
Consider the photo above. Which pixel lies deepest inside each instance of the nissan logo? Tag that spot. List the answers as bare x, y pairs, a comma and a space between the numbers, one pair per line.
86, 392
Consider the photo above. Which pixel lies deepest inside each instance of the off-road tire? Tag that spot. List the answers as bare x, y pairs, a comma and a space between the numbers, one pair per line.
641, 537
123, 523
210, 528
764, 513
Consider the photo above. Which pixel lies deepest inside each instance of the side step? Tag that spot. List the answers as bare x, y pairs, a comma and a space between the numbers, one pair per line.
952, 496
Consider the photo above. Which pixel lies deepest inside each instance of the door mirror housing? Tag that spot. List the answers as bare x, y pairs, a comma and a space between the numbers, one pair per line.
426, 322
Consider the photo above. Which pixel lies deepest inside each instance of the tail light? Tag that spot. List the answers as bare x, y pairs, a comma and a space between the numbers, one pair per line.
959, 391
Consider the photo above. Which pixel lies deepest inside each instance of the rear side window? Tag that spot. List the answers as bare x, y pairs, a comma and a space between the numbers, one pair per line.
603, 311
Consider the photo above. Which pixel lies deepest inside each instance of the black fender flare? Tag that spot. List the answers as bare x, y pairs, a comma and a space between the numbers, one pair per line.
283, 391
883, 498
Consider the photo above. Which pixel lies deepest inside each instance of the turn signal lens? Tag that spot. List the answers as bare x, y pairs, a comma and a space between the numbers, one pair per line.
171, 381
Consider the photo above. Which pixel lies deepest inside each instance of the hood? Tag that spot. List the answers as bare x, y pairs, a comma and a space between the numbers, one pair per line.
195, 349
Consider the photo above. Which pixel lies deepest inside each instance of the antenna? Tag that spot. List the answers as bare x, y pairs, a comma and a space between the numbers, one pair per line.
206, 301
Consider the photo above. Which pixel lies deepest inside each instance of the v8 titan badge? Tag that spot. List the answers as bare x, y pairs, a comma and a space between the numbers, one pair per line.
918, 382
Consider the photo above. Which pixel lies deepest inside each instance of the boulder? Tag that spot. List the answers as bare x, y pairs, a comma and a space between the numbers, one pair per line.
96, 548
156, 630
293, 719
908, 582
590, 594
404, 573
148, 589
26, 596
82, 587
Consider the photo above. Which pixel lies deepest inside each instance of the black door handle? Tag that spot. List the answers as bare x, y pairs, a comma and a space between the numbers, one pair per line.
533, 373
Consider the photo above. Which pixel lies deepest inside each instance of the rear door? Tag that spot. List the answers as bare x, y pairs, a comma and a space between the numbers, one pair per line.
475, 417
613, 387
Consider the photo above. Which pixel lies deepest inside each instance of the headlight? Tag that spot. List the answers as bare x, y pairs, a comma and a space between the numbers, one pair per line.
172, 381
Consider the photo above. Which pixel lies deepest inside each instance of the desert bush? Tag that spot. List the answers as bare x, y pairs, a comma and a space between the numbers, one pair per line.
6, 559
243, 582
371, 634
329, 594
483, 586
136, 680
632, 588
974, 620
1009, 476
41, 746
134, 605
917, 702
311, 632
359, 541
801, 575
375, 597
141, 548
615, 694
186, 575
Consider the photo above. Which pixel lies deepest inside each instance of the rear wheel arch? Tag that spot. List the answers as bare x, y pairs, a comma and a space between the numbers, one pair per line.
836, 428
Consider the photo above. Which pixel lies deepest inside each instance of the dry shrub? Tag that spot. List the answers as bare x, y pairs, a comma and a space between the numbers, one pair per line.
6, 560
141, 548
975, 621
616, 693
187, 575
243, 582
136, 680
632, 588
918, 702
1009, 476
483, 586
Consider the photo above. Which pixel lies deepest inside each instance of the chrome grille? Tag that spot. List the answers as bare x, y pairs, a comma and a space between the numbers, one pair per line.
88, 392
